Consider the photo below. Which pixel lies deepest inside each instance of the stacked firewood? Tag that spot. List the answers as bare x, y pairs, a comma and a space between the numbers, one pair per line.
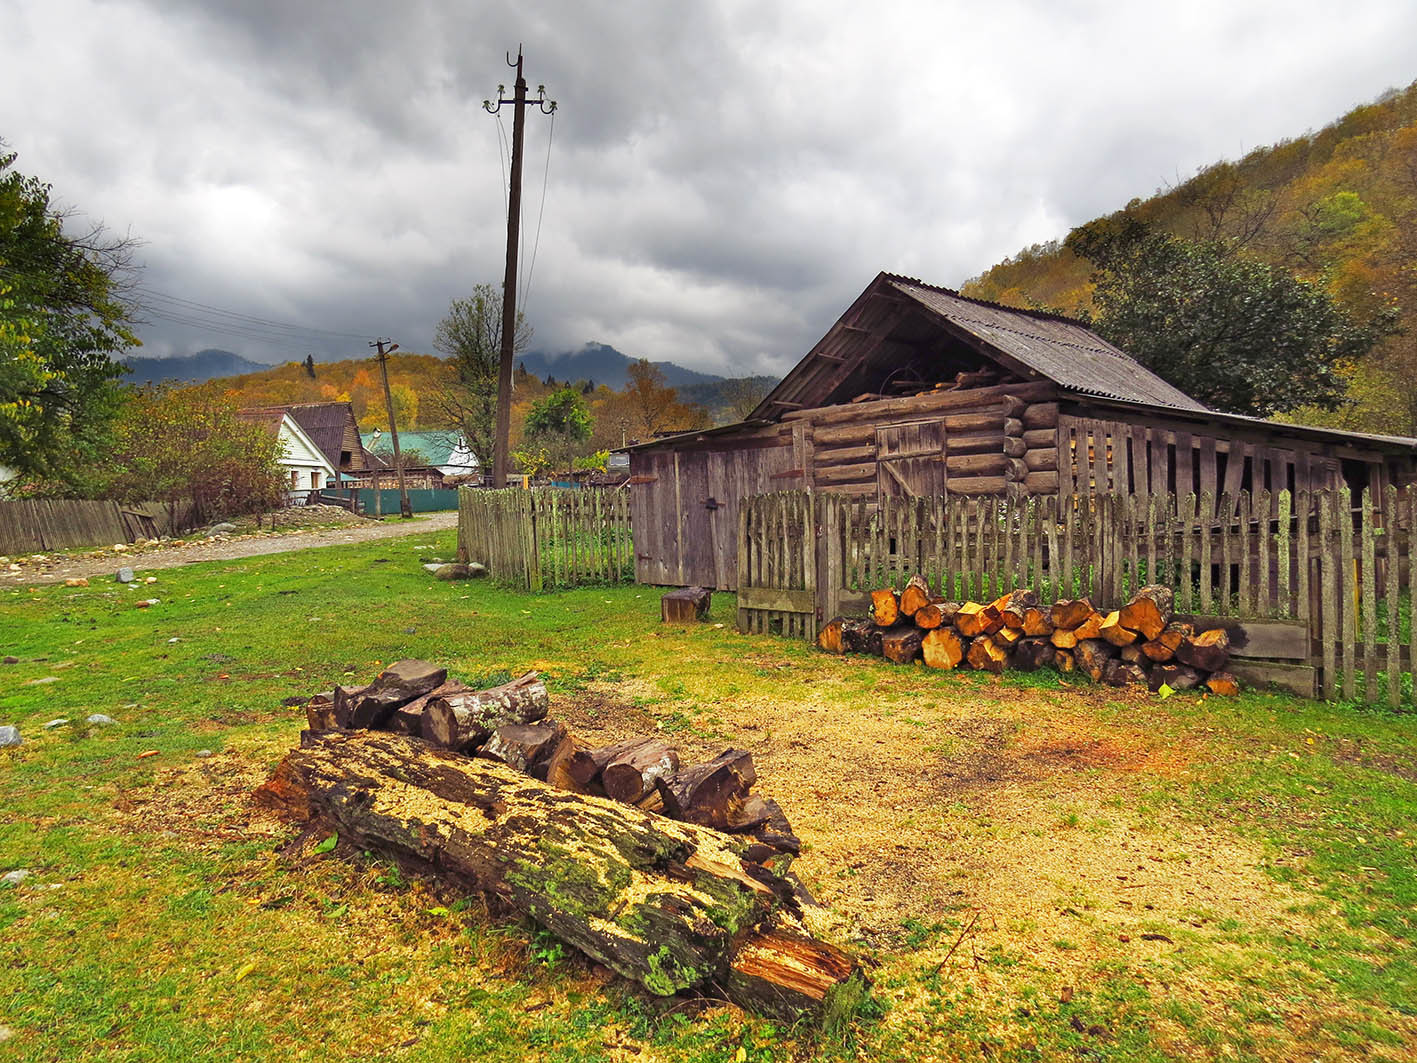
680, 881
1137, 644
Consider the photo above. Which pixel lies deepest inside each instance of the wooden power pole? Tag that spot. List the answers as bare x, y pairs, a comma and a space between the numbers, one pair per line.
519, 104
405, 507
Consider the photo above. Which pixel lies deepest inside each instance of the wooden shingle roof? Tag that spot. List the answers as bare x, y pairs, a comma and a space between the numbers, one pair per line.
1032, 344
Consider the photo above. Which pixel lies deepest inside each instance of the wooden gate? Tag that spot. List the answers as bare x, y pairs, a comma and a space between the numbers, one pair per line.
911, 460
777, 559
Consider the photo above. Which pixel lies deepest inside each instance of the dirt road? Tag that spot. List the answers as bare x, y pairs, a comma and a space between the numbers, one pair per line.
59, 568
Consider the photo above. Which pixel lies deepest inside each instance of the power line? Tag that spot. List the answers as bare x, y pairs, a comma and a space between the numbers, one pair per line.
541, 210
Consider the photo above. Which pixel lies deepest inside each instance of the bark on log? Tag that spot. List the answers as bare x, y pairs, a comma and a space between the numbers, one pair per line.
464, 721
1014, 447
320, 711
344, 704
398, 684
408, 719
936, 613
1112, 630
1121, 674
631, 776
1176, 676
861, 635
709, 794
1132, 654
1014, 607
1163, 647
672, 906
1148, 612
901, 643
1032, 654
942, 648
915, 596
1092, 656
1068, 613
525, 746
885, 607
1209, 651
985, 655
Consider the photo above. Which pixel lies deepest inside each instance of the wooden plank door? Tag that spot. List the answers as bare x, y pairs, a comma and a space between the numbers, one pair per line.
910, 460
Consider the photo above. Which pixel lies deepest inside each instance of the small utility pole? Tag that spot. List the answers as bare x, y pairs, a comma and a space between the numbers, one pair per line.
519, 103
405, 507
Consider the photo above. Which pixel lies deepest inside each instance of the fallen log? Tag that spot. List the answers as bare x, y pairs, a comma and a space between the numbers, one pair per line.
885, 607
1209, 651
672, 906
464, 721
942, 648
320, 712
1092, 656
408, 719
901, 643
712, 793
630, 776
915, 596
1149, 611
527, 747
396, 685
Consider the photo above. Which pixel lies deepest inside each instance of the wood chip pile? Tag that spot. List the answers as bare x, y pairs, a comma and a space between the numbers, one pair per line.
681, 880
1138, 644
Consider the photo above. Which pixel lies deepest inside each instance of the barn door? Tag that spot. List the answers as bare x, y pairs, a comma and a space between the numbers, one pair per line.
910, 460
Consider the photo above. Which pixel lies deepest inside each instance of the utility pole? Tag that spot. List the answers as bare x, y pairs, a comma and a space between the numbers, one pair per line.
519, 103
405, 507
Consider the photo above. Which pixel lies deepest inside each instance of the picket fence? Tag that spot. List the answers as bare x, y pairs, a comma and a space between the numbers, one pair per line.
547, 537
1344, 571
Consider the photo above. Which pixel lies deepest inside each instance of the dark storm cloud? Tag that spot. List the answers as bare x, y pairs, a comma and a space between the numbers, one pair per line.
724, 178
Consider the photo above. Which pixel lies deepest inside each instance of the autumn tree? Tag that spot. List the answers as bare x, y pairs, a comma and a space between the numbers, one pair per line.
188, 448
63, 317
471, 336
1233, 332
654, 406
559, 424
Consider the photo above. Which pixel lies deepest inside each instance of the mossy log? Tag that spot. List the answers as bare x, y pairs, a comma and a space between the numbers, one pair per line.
672, 906
630, 776
464, 721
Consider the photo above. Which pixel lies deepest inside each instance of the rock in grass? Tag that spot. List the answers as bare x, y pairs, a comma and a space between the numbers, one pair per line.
223, 528
204, 753
430, 567
14, 878
98, 719
125, 575
55, 723
477, 570
452, 571
10, 736
12, 660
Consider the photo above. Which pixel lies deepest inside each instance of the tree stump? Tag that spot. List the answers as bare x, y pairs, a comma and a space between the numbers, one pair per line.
685, 605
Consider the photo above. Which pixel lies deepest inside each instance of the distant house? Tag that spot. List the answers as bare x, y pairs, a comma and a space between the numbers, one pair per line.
445, 451
331, 427
307, 468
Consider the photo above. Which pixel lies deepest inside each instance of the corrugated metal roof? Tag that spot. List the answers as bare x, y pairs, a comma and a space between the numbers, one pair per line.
1063, 350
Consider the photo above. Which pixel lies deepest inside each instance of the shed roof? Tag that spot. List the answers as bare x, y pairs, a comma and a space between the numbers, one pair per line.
1028, 342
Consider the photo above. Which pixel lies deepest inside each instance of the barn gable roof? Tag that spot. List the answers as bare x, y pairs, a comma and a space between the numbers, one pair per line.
896, 318
332, 427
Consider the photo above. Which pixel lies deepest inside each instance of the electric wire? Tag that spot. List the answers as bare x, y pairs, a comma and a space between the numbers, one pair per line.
541, 210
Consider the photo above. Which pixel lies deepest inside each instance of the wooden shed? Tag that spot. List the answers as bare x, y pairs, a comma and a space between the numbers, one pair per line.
917, 390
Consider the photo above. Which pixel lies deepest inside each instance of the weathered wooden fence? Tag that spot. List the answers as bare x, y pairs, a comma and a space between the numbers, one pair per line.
44, 525
547, 537
1329, 579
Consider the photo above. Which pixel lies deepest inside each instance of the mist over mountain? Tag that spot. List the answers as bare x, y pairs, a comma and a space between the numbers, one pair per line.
605, 365
210, 364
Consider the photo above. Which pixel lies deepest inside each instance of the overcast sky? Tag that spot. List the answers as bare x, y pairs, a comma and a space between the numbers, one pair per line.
724, 177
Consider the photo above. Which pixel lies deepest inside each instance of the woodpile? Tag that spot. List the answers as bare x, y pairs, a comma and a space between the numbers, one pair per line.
672, 874
1136, 645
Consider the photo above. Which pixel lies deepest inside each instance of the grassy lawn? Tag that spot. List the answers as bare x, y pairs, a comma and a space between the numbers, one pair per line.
1038, 870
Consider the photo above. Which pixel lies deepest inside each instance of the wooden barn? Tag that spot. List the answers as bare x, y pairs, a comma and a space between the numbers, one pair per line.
917, 390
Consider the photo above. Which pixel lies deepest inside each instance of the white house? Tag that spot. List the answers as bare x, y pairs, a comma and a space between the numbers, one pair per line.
306, 465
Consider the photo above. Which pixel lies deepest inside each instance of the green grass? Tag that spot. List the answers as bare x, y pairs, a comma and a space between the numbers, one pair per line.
178, 930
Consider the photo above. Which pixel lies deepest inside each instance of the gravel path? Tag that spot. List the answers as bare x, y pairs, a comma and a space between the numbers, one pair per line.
62, 568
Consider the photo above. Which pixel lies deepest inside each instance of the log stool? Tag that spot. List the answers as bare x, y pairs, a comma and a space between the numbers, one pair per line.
685, 605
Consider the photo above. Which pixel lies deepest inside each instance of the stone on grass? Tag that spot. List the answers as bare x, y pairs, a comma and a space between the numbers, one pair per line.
10, 736
41, 681
125, 575
452, 571
98, 719
14, 878
55, 723
204, 753
224, 528
477, 570
429, 567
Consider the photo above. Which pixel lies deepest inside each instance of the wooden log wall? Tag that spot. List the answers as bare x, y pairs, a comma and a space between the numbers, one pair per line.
547, 537
1306, 562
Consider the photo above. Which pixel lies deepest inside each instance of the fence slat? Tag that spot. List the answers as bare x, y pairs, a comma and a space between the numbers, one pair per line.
1344, 515
1369, 593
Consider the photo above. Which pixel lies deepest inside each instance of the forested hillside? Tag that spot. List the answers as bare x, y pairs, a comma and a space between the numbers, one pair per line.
1337, 208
